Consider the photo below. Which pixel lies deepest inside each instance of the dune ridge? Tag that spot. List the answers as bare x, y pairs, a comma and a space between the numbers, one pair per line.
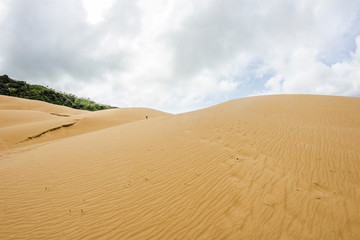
267, 167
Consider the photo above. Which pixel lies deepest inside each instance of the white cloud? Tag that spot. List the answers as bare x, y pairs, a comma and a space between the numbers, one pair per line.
3, 10
303, 73
228, 85
96, 9
179, 55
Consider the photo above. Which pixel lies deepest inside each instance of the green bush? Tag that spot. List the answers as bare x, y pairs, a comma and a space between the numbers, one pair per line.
21, 89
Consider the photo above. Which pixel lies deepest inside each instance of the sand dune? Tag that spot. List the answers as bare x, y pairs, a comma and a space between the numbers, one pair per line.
13, 103
269, 167
24, 120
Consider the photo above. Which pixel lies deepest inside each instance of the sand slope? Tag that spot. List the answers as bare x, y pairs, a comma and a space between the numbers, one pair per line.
25, 122
269, 167
13, 103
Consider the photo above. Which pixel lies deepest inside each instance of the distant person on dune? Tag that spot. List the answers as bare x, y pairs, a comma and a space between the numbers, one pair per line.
146, 117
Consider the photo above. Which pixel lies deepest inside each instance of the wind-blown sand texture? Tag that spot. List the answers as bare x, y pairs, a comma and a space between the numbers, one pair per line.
268, 167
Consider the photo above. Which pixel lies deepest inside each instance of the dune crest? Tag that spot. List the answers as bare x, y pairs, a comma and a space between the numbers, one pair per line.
267, 167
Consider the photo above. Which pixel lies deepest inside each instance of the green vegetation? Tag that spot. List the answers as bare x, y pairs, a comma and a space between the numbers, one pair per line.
21, 89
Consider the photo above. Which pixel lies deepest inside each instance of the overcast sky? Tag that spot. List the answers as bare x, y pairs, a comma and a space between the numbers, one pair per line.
181, 55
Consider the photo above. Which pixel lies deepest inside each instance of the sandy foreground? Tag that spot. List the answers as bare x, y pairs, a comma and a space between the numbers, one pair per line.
268, 167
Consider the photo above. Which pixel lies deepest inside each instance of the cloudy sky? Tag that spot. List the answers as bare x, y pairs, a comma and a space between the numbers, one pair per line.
181, 55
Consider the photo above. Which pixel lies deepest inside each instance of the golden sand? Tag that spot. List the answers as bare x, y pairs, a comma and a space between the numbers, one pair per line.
268, 167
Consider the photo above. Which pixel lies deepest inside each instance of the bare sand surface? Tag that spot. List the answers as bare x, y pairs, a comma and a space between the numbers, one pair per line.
267, 167
23, 120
